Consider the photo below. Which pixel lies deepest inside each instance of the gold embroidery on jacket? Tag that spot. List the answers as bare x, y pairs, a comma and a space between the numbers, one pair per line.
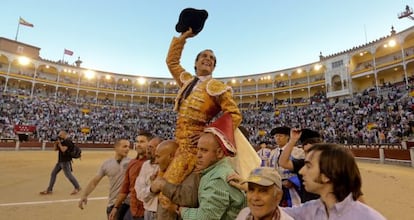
216, 88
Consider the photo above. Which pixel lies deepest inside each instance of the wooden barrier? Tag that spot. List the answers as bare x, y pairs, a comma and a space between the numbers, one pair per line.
410, 144
49, 145
365, 152
95, 145
397, 154
7, 144
382, 153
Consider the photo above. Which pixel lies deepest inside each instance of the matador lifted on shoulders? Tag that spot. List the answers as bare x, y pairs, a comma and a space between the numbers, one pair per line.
200, 99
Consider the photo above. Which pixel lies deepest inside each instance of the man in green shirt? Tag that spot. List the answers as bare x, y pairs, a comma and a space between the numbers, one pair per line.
217, 199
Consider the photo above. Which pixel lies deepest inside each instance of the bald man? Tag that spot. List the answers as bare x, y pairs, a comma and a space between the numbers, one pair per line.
184, 194
164, 154
217, 199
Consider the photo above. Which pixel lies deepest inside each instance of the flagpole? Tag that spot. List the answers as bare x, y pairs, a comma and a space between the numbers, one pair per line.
63, 57
17, 32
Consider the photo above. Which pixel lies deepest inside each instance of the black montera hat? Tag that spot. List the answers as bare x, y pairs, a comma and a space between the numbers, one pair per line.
280, 130
307, 134
191, 17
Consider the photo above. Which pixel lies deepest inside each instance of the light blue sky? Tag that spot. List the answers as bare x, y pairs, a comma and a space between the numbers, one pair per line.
248, 37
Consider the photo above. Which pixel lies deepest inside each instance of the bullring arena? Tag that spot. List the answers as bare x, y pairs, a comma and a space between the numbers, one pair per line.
361, 97
388, 188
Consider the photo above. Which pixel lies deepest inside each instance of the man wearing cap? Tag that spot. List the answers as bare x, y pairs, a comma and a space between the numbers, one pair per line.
217, 199
263, 196
290, 181
307, 138
200, 98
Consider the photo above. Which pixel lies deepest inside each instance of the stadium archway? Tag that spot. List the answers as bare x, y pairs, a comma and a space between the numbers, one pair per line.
336, 83
300, 96
156, 87
171, 88
43, 90
66, 94
104, 98
281, 80
317, 93
46, 72
106, 81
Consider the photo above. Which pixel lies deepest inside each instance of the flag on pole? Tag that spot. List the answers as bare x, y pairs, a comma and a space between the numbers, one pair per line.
68, 52
25, 23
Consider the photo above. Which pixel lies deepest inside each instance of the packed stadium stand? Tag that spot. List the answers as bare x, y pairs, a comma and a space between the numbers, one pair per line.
360, 96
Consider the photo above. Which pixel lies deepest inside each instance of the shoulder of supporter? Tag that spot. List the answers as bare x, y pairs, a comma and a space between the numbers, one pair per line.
306, 210
243, 214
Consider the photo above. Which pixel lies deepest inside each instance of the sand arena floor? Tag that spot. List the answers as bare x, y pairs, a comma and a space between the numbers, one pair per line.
23, 174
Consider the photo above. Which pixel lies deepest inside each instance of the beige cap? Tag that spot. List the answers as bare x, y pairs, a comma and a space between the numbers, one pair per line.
265, 176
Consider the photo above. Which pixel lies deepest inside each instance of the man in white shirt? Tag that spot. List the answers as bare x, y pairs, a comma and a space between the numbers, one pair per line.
331, 172
143, 182
264, 154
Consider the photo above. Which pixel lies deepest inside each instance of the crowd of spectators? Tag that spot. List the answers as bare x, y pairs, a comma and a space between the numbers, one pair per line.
371, 117
83, 122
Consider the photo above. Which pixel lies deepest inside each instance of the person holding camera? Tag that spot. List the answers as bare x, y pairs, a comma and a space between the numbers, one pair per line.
63, 145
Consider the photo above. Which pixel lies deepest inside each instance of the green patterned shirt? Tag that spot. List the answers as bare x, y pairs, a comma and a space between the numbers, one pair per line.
217, 199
